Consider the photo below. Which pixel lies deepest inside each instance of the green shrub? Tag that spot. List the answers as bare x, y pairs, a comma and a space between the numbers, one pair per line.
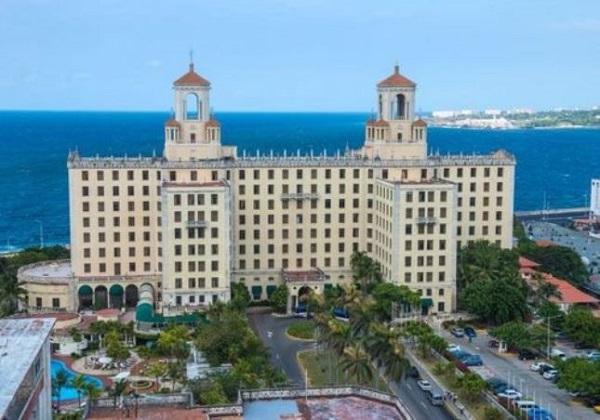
302, 329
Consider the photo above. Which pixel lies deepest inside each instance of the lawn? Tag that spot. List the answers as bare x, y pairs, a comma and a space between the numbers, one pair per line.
303, 329
321, 366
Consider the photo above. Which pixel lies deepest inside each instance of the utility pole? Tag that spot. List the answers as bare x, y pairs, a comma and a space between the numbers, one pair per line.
41, 233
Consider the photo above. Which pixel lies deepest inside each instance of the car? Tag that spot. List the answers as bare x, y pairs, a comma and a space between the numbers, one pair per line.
537, 366
558, 354
413, 372
457, 332
493, 344
545, 368
424, 385
539, 414
461, 355
494, 382
473, 360
510, 394
527, 354
550, 374
499, 389
593, 355
470, 332
453, 348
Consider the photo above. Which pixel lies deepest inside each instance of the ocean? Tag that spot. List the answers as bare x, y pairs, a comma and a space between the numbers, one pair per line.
555, 163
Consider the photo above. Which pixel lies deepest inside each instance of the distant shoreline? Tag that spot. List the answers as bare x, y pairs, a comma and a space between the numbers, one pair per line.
568, 127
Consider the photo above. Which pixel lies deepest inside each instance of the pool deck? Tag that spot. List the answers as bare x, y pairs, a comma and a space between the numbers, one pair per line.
72, 364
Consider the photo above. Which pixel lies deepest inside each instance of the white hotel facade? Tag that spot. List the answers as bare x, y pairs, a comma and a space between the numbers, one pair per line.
180, 228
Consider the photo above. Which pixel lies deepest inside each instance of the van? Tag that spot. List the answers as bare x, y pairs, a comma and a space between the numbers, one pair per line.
525, 404
435, 398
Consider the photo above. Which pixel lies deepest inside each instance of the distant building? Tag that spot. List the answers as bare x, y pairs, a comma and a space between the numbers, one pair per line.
595, 198
443, 114
173, 232
493, 112
25, 373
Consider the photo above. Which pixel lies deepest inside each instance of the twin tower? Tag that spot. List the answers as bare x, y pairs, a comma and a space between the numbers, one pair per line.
194, 134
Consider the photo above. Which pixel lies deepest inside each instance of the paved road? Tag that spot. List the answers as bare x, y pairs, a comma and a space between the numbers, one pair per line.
519, 374
283, 356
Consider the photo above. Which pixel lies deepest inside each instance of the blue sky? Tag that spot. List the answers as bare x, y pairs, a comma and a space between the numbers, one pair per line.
299, 55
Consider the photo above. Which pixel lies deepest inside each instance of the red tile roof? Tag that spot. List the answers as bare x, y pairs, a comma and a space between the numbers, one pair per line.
396, 80
527, 263
544, 243
213, 123
419, 123
378, 123
568, 292
172, 123
191, 78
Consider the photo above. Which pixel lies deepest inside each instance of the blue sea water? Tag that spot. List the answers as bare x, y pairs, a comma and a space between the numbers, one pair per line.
33, 174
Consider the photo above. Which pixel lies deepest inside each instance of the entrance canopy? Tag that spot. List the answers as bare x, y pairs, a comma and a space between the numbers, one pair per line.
86, 290
303, 276
116, 290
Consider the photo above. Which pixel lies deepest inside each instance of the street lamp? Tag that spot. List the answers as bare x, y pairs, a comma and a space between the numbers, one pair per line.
548, 332
41, 233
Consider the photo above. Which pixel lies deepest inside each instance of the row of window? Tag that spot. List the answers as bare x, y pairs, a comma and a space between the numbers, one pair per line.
115, 174
117, 268
131, 252
193, 283
116, 237
116, 221
193, 266
116, 206
300, 263
116, 191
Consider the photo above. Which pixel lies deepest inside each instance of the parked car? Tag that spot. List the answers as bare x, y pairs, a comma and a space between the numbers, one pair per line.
551, 374
499, 389
461, 355
470, 332
473, 360
593, 355
558, 354
413, 372
537, 366
424, 385
527, 354
457, 332
510, 394
539, 414
453, 347
545, 368
495, 381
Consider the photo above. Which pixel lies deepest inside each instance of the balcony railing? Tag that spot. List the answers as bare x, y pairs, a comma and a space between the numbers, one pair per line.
426, 220
300, 196
196, 223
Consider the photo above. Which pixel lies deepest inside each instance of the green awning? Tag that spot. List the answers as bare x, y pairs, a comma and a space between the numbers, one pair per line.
270, 290
256, 291
328, 286
116, 290
426, 302
144, 313
85, 291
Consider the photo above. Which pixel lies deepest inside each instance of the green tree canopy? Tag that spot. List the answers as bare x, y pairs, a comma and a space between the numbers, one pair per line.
579, 375
581, 325
561, 261
279, 299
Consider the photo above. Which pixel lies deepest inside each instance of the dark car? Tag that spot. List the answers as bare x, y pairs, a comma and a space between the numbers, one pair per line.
528, 354
473, 360
413, 372
470, 332
494, 344
545, 368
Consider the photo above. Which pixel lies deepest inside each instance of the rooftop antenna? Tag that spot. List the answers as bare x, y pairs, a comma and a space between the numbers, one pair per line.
191, 59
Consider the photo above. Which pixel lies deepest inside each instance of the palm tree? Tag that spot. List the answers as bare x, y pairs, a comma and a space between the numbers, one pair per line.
157, 371
117, 390
60, 380
340, 336
361, 316
92, 392
78, 382
12, 293
356, 363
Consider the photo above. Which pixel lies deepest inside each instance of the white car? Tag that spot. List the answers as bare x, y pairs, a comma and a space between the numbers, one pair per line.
537, 366
550, 374
511, 394
453, 347
424, 385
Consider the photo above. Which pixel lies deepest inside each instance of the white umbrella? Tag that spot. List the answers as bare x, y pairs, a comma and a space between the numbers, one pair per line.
104, 360
121, 376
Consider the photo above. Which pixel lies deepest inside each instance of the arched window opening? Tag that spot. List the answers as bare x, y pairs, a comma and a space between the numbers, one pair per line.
400, 107
193, 107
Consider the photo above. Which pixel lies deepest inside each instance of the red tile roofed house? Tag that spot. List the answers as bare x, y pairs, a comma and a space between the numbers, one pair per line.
569, 294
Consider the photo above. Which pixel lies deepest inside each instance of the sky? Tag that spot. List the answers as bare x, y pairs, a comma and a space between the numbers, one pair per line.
299, 55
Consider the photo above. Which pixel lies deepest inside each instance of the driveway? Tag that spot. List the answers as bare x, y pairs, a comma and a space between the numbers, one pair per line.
519, 375
283, 350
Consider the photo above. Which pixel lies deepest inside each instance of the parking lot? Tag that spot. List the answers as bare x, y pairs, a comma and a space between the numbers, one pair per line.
519, 375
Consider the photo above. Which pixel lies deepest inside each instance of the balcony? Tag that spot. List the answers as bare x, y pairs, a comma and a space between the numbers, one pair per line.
300, 196
426, 220
196, 223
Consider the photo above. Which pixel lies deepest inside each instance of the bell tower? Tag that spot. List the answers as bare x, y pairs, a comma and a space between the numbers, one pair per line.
395, 134
193, 133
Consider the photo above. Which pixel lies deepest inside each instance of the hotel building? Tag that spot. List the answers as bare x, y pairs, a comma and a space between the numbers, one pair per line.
175, 231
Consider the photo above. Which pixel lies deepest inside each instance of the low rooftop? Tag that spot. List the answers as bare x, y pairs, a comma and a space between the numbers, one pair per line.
20, 342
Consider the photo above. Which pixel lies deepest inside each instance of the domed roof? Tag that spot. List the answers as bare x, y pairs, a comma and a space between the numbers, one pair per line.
419, 123
172, 123
191, 78
377, 123
396, 80
213, 123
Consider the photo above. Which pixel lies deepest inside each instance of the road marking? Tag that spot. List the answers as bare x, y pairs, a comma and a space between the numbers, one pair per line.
423, 404
409, 386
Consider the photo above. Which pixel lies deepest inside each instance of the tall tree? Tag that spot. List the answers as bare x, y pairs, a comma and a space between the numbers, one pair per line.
356, 363
581, 325
60, 380
78, 382
158, 371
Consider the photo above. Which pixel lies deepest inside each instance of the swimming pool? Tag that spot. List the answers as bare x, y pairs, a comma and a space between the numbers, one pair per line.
68, 393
